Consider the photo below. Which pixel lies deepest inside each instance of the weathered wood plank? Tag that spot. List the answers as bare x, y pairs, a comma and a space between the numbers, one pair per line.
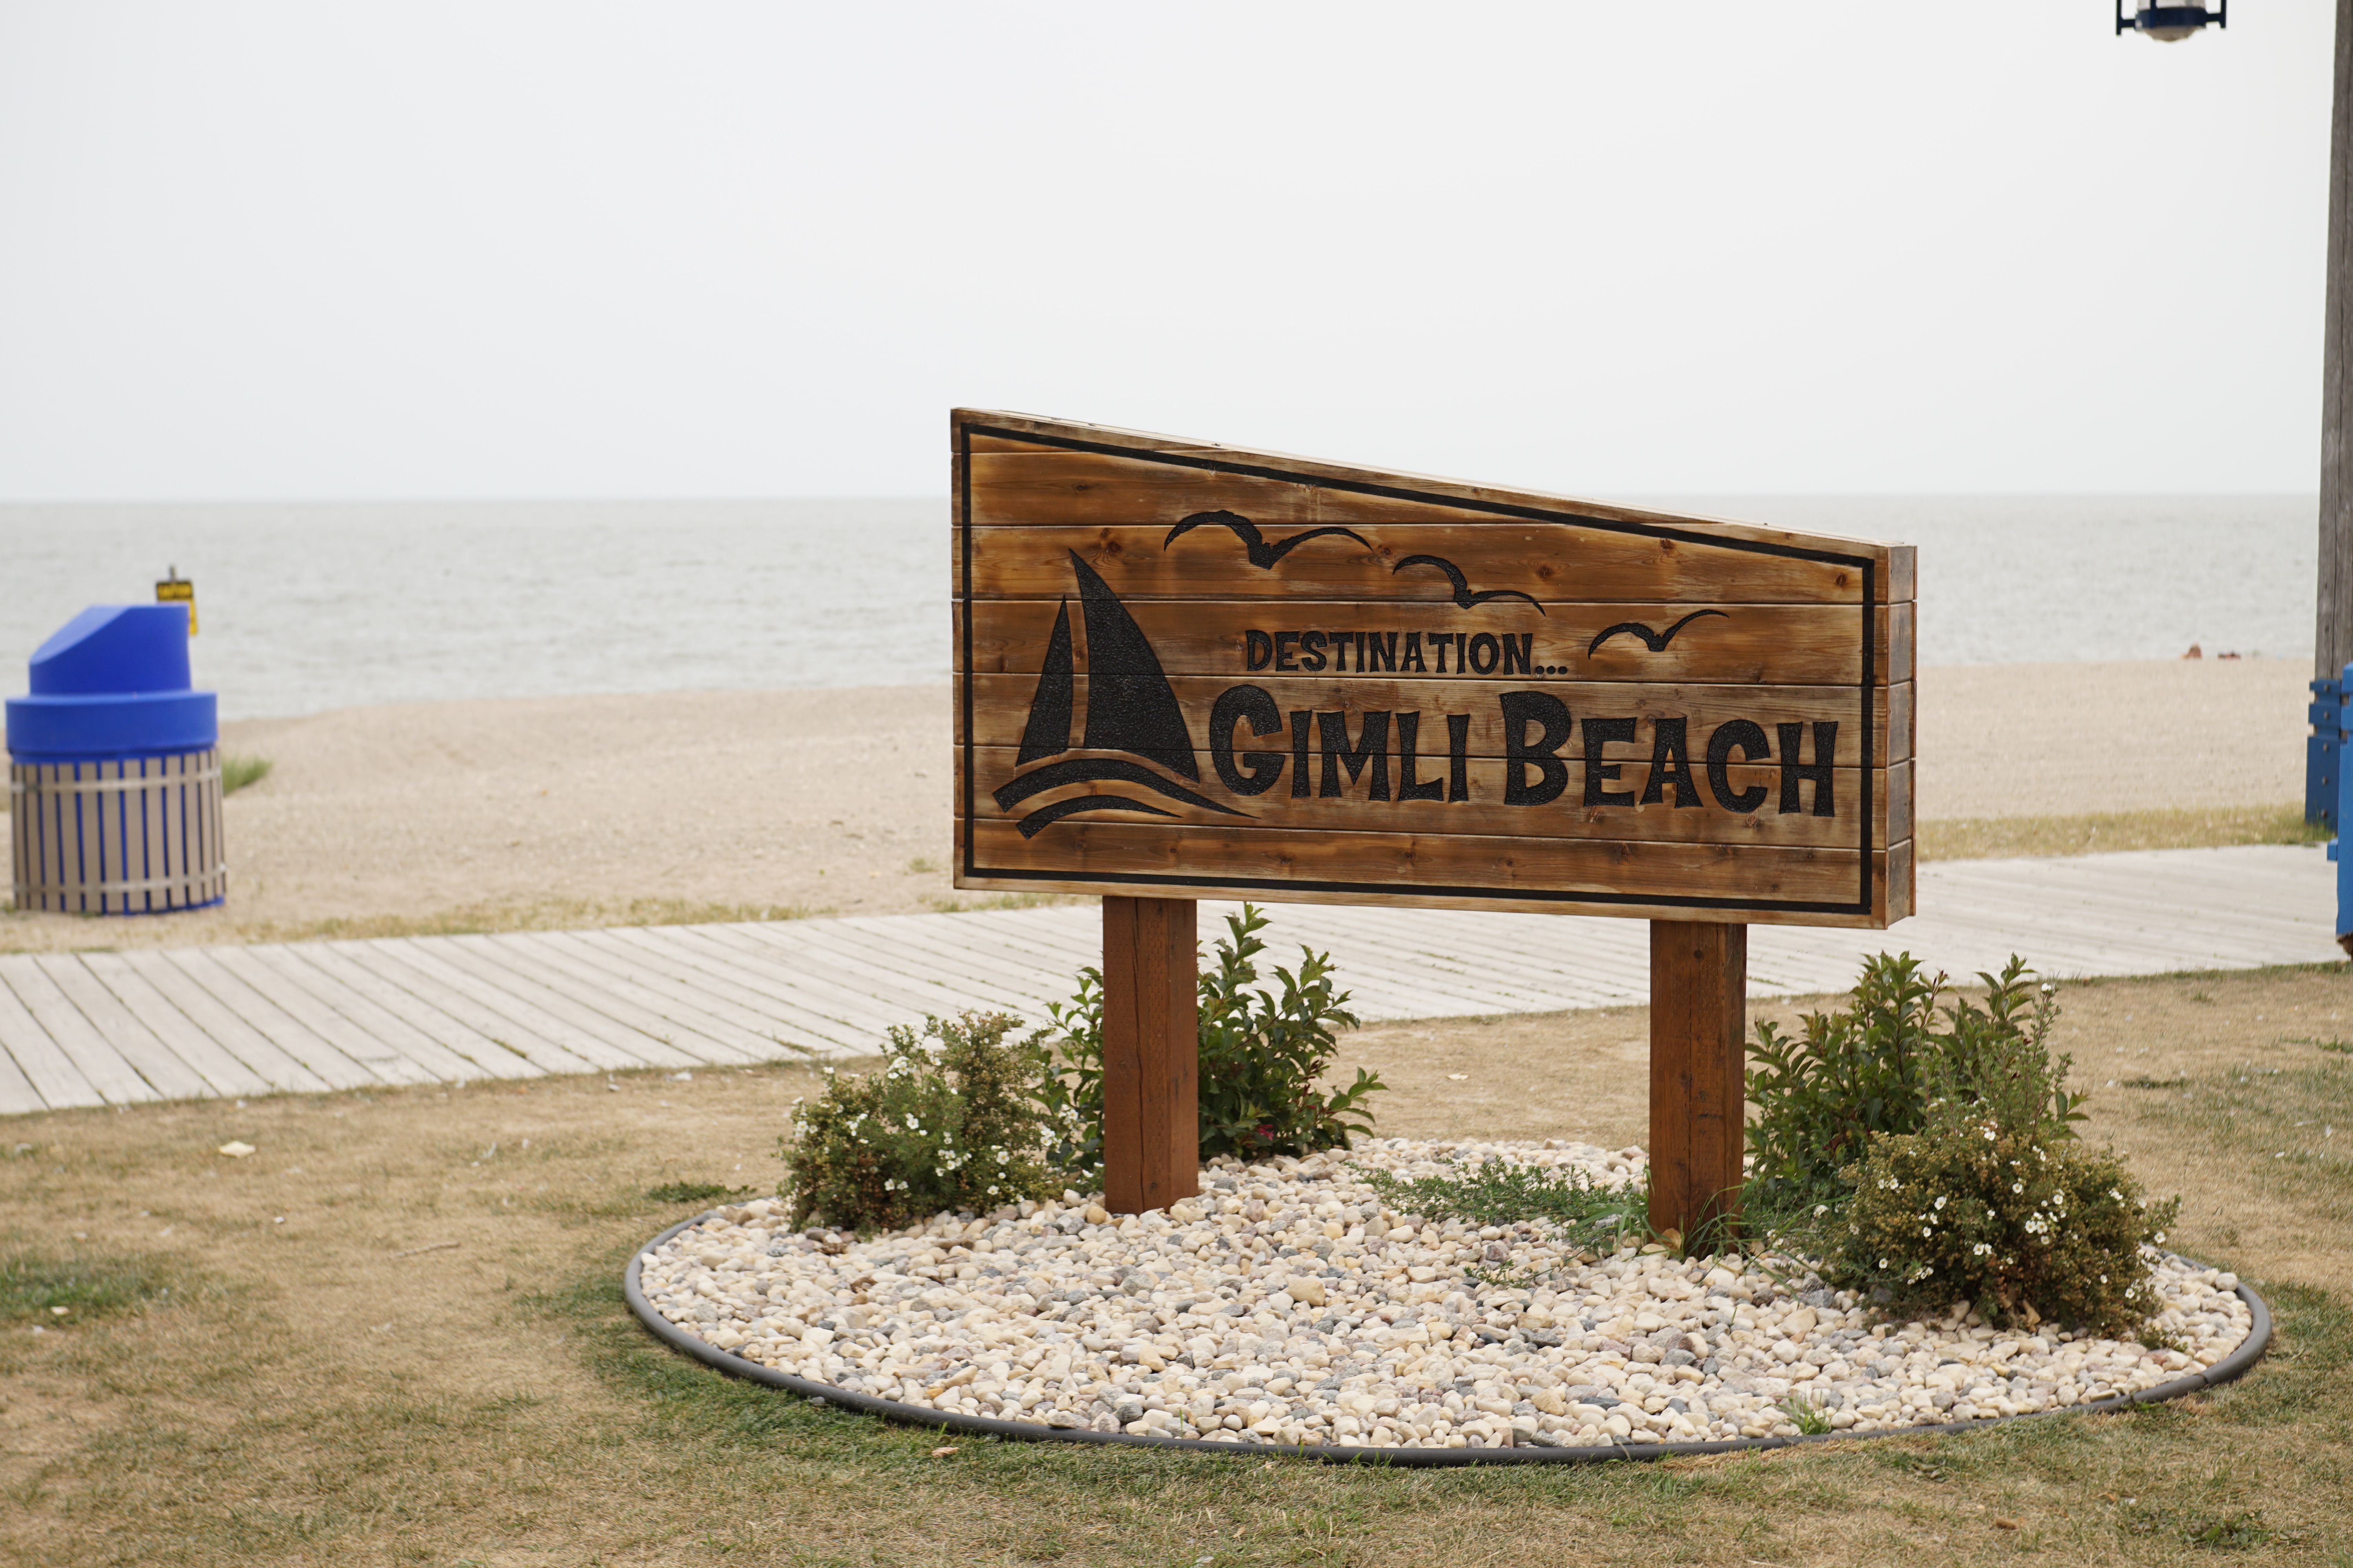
362, 1017
325, 1059
1804, 886
262, 1056
1042, 482
489, 1012
642, 1001
1043, 949
1685, 812
100, 1064
18, 1094
479, 1055
510, 996
837, 998
587, 1015
1546, 561
1759, 644
133, 1041
363, 1046
703, 1007
920, 982
1001, 707
51, 1073
796, 1021
188, 1040
1011, 985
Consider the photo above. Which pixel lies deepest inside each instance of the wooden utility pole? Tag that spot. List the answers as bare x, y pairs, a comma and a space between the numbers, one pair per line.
2333, 633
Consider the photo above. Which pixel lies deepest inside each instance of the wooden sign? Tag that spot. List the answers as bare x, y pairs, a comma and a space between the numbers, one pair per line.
1188, 670
1191, 670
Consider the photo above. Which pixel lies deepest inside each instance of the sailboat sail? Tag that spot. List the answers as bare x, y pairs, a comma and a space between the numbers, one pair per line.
1131, 706
1047, 732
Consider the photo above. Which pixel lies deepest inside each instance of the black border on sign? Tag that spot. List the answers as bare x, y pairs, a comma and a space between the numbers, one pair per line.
1276, 887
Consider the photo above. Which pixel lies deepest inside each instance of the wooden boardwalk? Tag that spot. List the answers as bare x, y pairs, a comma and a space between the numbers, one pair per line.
110, 1028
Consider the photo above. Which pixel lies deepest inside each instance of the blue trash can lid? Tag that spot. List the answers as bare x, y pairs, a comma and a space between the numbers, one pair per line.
113, 683
115, 648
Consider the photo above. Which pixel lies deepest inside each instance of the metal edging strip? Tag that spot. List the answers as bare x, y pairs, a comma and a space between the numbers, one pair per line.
2230, 1367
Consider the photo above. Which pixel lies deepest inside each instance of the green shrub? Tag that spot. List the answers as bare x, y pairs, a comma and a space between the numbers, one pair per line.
1982, 1208
1260, 1060
962, 1130
1876, 1065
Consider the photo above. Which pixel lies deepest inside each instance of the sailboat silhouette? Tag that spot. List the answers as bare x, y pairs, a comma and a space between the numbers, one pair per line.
1131, 708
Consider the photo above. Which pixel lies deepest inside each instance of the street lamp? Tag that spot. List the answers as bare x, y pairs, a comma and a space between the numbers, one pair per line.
2171, 24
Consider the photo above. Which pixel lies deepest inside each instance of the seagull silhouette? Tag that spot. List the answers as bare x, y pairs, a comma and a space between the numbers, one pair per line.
1464, 596
1261, 553
1655, 641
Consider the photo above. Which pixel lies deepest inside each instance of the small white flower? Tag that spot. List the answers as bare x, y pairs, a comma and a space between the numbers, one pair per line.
2017, 1186
1940, 1202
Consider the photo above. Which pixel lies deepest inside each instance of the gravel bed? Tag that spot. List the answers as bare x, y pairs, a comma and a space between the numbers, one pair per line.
1285, 1305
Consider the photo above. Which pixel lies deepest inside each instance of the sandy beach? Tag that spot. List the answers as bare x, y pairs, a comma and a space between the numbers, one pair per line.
619, 809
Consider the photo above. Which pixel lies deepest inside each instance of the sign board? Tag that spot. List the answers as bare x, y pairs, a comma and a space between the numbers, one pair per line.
175, 589
1188, 670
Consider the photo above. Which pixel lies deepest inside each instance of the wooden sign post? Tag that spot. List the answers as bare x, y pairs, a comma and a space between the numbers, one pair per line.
1186, 671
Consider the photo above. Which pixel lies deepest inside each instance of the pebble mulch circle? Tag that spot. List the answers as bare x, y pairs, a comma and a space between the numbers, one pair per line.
1285, 1305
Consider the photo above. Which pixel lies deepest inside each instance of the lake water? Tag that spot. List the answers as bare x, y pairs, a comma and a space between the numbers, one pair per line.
306, 607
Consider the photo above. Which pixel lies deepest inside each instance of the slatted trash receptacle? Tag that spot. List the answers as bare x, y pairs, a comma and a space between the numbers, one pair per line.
114, 783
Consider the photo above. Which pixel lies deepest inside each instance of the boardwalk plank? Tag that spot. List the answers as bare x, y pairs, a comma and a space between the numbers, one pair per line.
931, 982
857, 991
489, 1012
261, 1054
360, 1014
100, 1063
18, 1094
476, 1054
187, 1039
702, 1006
596, 1005
619, 992
679, 951
479, 1055
204, 965
50, 1073
359, 1044
583, 1029
134, 1042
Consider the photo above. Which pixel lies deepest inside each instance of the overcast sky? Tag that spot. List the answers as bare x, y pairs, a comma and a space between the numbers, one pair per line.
315, 250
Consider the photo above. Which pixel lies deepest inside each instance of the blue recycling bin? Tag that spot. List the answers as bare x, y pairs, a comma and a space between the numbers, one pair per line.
114, 776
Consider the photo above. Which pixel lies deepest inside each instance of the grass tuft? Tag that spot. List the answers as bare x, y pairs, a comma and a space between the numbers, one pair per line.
694, 1192
1503, 1191
35, 1286
238, 772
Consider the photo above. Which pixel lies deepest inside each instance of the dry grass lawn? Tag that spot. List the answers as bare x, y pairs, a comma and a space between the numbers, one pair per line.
394, 1335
